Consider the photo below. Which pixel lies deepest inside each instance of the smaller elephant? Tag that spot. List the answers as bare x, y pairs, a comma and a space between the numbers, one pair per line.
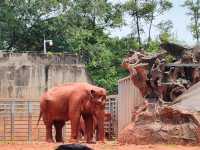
82, 131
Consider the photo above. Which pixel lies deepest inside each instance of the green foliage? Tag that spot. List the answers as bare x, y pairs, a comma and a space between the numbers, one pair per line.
193, 7
153, 47
169, 58
165, 28
164, 37
105, 67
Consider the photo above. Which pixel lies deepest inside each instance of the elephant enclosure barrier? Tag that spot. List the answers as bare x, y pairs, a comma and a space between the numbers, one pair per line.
129, 98
18, 120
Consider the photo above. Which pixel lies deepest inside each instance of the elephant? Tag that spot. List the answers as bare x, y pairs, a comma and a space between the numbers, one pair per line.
82, 131
68, 102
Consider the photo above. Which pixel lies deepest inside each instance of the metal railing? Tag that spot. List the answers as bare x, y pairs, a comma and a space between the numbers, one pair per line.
111, 127
18, 120
129, 98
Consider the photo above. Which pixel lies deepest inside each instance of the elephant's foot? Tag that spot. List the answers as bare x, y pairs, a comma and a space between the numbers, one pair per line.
100, 142
73, 141
91, 142
58, 140
49, 140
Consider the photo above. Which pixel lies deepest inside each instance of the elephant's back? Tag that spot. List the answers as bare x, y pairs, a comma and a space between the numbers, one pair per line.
59, 92
62, 92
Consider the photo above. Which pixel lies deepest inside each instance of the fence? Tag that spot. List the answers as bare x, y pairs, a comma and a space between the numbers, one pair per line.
111, 127
129, 98
18, 121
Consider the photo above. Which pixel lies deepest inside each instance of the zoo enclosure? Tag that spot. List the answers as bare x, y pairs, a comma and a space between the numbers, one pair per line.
18, 120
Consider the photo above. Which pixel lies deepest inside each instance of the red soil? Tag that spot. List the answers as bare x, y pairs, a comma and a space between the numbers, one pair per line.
107, 146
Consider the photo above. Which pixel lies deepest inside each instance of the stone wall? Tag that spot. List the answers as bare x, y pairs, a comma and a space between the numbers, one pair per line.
27, 75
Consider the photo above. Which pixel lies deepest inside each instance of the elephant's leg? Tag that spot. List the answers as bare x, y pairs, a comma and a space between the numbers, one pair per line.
88, 127
95, 128
49, 137
100, 126
97, 133
81, 134
58, 126
75, 120
81, 128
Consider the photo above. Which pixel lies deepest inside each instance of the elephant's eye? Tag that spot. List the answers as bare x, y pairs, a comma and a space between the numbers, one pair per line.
103, 98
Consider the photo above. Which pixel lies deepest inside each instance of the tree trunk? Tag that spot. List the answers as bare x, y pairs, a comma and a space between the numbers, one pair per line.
150, 27
138, 30
137, 24
196, 19
196, 26
198, 3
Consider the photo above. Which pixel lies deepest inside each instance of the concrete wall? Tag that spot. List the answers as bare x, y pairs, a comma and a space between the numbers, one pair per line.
26, 75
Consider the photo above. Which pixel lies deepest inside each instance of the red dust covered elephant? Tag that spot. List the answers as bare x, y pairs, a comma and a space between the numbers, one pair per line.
69, 102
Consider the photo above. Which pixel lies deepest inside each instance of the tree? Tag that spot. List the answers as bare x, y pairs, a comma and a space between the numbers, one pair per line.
156, 8
193, 7
145, 11
105, 67
165, 28
20, 19
135, 9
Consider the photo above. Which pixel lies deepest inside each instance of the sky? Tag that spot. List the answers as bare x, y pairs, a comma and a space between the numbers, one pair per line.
177, 15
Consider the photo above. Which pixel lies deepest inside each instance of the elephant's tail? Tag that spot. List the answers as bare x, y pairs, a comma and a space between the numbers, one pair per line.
39, 118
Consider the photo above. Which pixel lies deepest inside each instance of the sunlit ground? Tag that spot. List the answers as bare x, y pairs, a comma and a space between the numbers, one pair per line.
106, 146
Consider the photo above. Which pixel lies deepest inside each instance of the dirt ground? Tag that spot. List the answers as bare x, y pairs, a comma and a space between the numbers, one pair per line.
107, 146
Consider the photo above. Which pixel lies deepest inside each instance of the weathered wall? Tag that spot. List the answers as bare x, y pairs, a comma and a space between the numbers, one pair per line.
26, 75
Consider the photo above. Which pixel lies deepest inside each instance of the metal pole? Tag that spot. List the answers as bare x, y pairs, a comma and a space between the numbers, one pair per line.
38, 134
4, 133
64, 132
29, 121
45, 49
12, 119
